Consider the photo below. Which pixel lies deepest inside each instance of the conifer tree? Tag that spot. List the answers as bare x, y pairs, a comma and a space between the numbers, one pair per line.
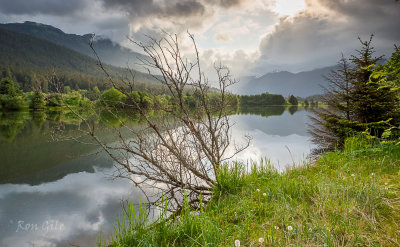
292, 100
355, 103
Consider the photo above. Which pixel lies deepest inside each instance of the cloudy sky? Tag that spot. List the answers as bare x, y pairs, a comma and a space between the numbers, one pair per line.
253, 37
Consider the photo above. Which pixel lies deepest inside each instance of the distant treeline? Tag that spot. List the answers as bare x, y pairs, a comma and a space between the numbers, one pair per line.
13, 98
262, 99
267, 99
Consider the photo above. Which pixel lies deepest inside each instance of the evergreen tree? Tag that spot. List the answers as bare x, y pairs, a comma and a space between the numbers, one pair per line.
9, 87
37, 101
293, 100
355, 103
370, 104
10, 95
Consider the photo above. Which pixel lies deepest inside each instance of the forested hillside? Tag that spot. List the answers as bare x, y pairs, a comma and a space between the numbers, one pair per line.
30, 60
108, 51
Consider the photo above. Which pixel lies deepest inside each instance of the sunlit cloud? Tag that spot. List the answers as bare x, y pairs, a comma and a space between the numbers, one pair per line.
289, 7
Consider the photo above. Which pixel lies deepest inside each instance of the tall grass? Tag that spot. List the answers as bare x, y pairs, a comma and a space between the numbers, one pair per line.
348, 198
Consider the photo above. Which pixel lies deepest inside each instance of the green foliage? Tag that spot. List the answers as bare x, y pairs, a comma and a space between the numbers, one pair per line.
67, 89
388, 75
11, 103
11, 97
370, 102
356, 103
264, 99
37, 101
73, 98
54, 100
112, 98
144, 99
9, 87
161, 101
293, 100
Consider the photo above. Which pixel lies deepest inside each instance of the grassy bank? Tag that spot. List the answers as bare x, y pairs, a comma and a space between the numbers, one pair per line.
349, 198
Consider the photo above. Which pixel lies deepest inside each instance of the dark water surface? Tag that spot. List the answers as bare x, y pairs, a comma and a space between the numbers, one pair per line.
62, 193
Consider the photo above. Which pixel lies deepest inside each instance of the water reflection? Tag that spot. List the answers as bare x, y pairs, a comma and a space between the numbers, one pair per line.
263, 111
76, 207
293, 109
281, 138
43, 181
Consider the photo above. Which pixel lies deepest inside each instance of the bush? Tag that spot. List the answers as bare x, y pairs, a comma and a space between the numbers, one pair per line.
11, 102
73, 99
54, 100
112, 97
37, 101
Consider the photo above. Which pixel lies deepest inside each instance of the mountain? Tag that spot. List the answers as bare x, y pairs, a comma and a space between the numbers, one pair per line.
301, 84
108, 51
28, 58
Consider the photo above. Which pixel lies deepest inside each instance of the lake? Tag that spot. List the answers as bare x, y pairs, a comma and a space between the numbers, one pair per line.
62, 193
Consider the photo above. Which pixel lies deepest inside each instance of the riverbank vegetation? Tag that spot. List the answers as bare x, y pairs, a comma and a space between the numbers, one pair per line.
347, 198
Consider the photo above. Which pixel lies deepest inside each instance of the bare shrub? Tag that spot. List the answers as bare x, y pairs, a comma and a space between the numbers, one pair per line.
180, 150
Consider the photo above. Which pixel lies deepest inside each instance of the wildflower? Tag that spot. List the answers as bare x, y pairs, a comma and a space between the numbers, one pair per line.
373, 174
386, 183
258, 190
276, 227
237, 243
264, 194
352, 175
290, 228
261, 240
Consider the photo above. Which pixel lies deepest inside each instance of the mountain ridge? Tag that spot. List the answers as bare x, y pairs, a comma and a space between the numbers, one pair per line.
108, 51
303, 84
30, 59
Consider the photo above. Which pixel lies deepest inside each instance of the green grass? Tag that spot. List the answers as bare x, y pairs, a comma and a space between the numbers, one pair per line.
348, 198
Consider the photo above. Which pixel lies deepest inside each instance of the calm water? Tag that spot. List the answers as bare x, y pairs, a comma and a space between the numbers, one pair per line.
61, 193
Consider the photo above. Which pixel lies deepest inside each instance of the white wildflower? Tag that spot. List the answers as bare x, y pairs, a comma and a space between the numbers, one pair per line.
386, 183
290, 228
261, 240
276, 227
264, 194
373, 174
352, 175
237, 243
258, 190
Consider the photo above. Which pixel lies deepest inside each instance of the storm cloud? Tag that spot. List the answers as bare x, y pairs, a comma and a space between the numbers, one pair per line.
47, 7
317, 36
145, 8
